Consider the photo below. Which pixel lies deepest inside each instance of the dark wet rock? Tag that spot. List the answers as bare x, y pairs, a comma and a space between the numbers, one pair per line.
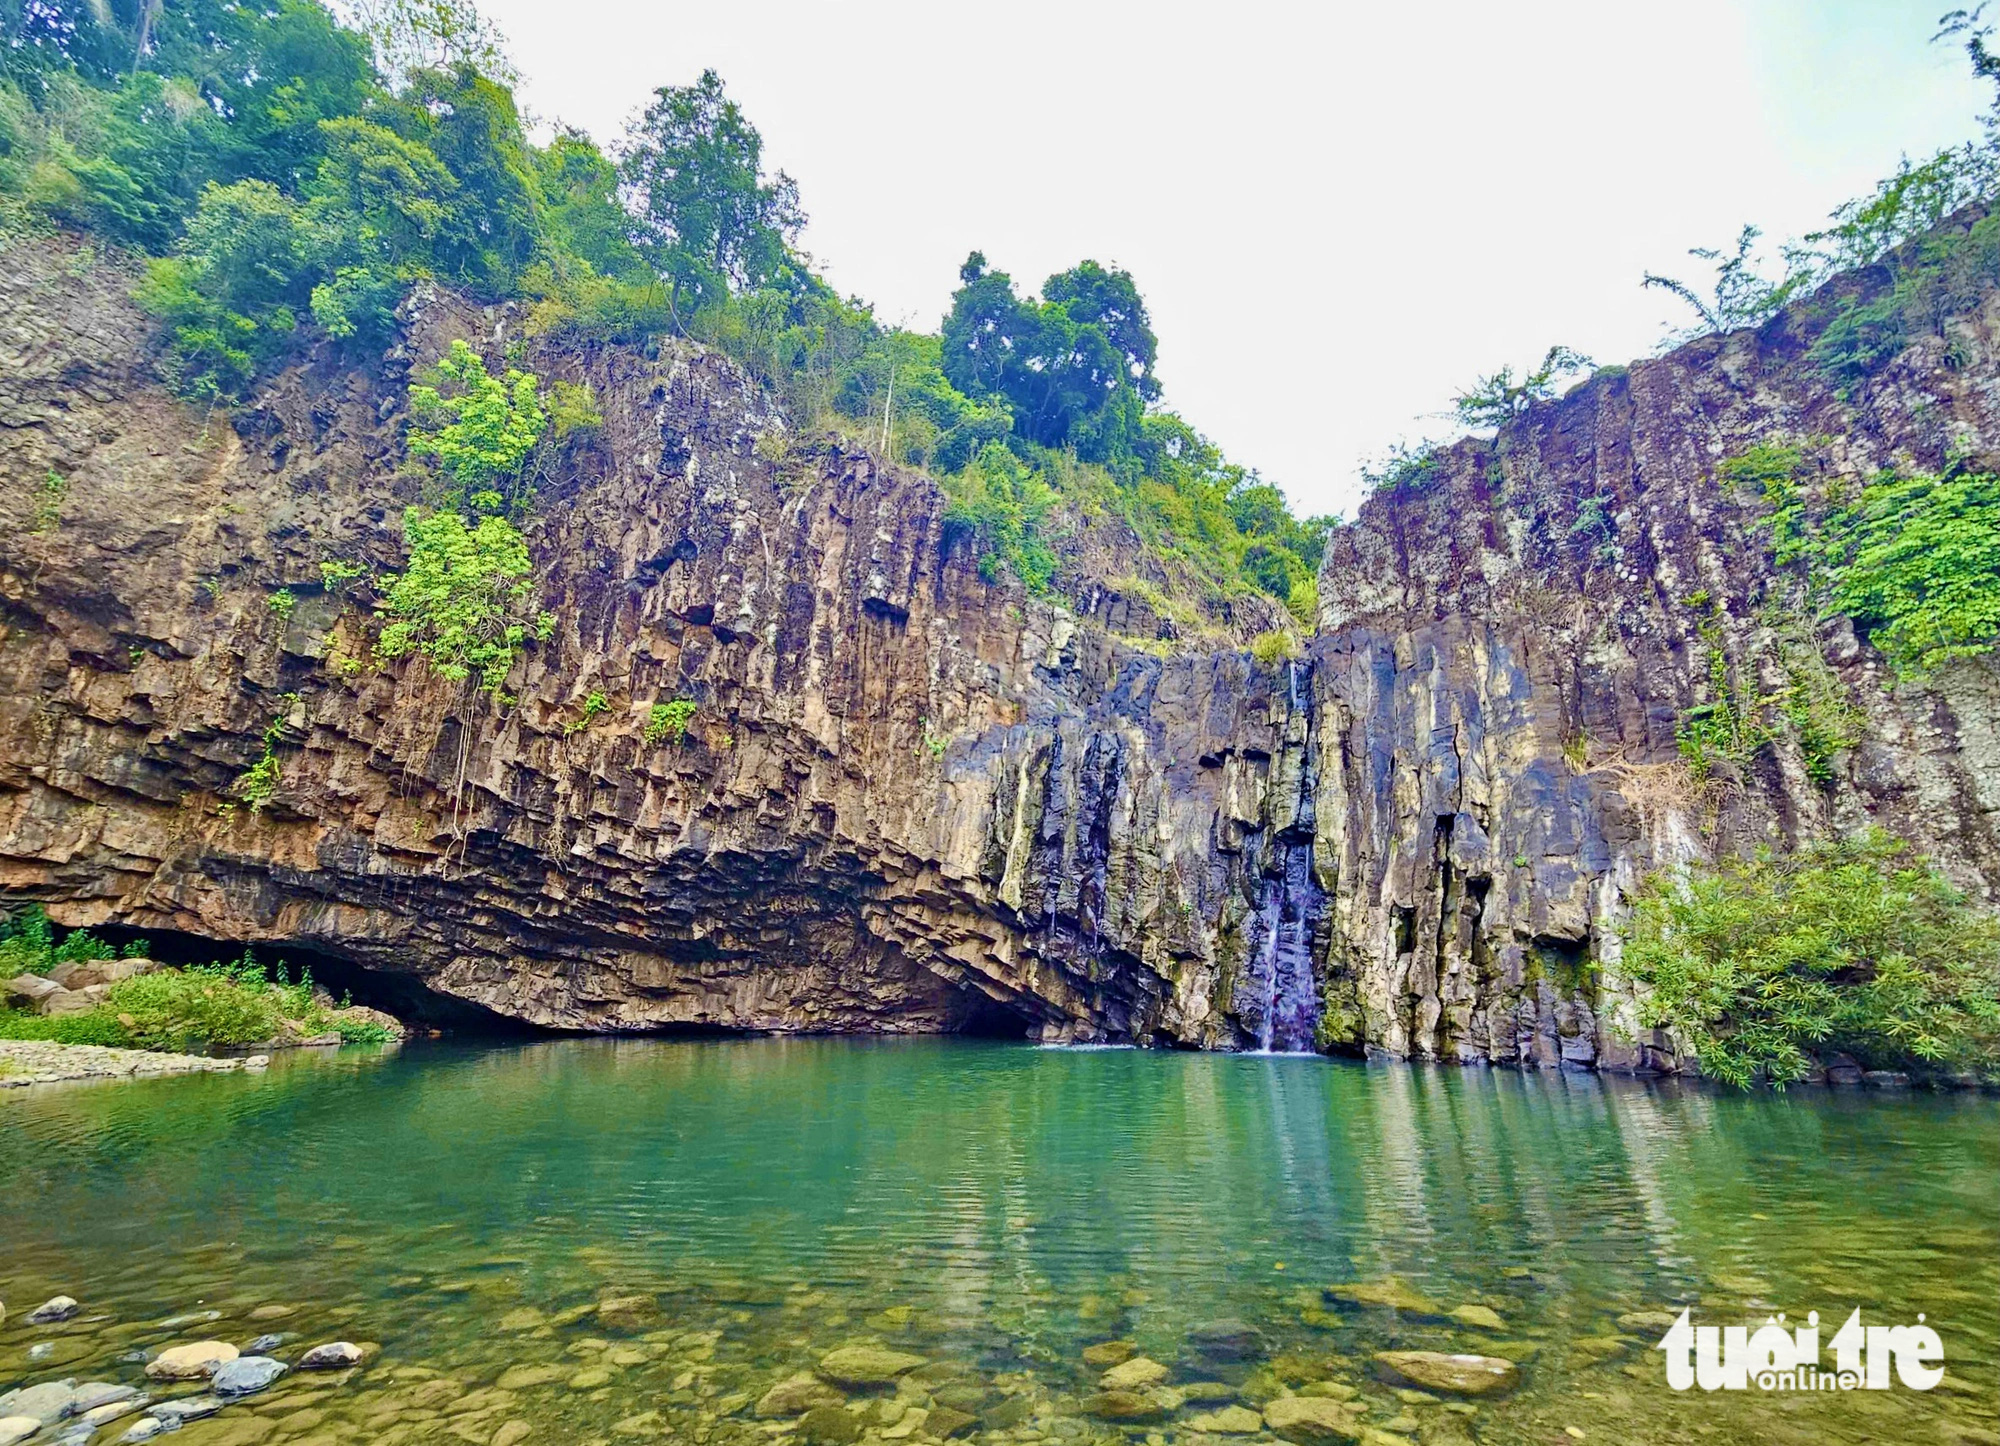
828, 1426
333, 1356
1224, 1341
53, 1311
246, 1375
1458, 1375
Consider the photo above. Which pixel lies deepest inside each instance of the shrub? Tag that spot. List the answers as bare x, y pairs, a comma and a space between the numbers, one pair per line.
28, 944
463, 601
1852, 946
669, 720
1274, 647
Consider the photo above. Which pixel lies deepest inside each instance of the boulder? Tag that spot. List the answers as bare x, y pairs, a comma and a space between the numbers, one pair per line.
1453, 1374
1312, 1420
15, 1429
30, 989
333, 1356
246, 1375
67, 1001
1109, 1353
192, 1362
93, 1394
87, 973
796, 1395
862, 1365
55, 1309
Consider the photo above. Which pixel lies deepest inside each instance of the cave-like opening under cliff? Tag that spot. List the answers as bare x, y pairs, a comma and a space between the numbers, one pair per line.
986, 1018
403, 995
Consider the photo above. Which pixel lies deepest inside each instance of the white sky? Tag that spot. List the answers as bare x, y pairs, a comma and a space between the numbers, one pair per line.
1339, 214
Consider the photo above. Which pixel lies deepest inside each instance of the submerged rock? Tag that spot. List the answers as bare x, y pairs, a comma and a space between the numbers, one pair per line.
1387, 1294
829, 1426
1133, 1375
264, 1345
186, 1408
863, 1365
1128, 1405
1229, 1421
1459, 1375
628, 1312
1225, 1340
795, 1395
1109, 1353
1482, 1317
1312, 1420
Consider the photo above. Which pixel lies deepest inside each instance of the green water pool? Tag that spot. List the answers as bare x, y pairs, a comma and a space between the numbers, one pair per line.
993, 1210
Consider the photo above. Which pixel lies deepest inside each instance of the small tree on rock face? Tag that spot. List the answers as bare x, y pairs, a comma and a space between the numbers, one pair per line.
479, 429
1498, 399
705, 216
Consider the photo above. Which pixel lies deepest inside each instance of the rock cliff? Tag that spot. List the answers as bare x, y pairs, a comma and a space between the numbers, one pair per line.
911, 800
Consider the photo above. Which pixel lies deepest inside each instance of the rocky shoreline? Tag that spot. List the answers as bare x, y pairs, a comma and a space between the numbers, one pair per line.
43, 1061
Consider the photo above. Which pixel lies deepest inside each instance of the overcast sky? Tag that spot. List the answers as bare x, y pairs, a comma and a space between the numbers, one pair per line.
1339, 214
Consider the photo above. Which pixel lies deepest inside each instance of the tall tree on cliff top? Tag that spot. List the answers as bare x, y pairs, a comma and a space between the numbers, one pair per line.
704, 214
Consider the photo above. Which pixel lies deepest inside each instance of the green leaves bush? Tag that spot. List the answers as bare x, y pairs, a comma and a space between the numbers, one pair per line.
462, 600
1853, 947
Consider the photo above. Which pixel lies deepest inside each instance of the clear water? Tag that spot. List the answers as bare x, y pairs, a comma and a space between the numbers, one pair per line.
995, 1208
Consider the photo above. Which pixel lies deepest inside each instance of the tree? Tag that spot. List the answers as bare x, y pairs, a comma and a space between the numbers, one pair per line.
705, 217
413, 36
1497, 399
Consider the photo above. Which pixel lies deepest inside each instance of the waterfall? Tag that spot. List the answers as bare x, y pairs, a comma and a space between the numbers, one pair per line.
1282, 1003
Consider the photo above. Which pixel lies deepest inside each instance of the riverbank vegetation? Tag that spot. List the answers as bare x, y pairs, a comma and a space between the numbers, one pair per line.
292, 179
1856, 947
165, 1007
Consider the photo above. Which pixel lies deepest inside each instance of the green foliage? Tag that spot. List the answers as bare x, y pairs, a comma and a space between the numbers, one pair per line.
293, 178
1816, 706
1728, 725
1499, 398
260, 781
282, 602
1915, 561
1004, 505
48, 502
335, 574
1405, 471
1918, 567
1274, 647
1853, 947
478, 429
669, 721
463, 601
706, 218
594, 707
27, 942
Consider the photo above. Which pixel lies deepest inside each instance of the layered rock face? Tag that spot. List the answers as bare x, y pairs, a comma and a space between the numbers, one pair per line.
911, 800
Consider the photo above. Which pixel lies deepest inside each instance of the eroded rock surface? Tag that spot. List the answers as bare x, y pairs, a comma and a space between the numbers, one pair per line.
911, 800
